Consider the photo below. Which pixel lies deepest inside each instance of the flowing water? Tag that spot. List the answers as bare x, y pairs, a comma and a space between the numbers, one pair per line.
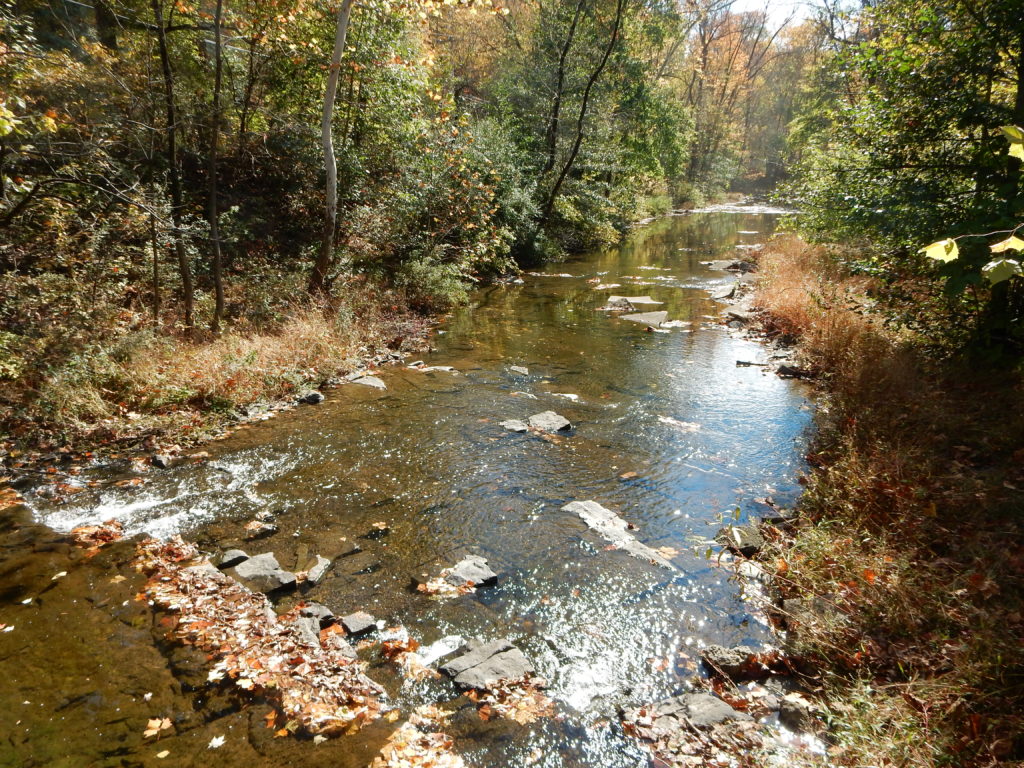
668, 432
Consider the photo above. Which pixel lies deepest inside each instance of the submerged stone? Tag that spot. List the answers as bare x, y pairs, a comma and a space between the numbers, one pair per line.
515, 425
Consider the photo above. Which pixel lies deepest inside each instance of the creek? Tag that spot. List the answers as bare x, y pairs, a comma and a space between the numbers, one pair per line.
668, 432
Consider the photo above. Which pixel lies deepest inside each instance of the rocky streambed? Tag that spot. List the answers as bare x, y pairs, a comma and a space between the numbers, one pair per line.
511, 549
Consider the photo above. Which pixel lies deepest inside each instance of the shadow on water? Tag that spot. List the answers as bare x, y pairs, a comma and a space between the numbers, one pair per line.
429, 458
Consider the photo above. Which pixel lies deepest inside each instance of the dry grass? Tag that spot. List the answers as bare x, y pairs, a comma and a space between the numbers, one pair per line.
146, 383
911, 528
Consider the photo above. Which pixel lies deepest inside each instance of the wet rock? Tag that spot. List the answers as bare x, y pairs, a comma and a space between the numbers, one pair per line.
614, 529
378, 531
790, 372
653, 319
699, 710
230, 558
738, 663
312, 398
520, 370
315, 574
549, 421
797, 713
617, 304
369, 381
741, 266
471, 570
724, 293
484, 664
633, 301
161, 461
259, 529
358, 623
744, 539
323, 615
515, 425
263, 573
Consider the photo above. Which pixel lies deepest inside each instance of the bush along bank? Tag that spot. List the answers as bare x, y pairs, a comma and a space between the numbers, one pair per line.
898, 578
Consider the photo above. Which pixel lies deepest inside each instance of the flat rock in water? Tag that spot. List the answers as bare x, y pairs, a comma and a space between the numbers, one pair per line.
484, 664
358, 623
370, 381
519, 369
323, 615
738, 663
724, 293
616, 530
316, 572
744, 539
515, 425
471, 570
647, 318
263, 573
633, 300
230, 558
549, 421
700, 709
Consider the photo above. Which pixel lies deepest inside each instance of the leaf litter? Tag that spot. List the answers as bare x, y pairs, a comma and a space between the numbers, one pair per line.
316, 689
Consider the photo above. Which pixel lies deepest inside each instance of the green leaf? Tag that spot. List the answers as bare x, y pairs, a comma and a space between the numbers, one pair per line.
1017, 150
1013, 134
943, 250
1013, 243
998, 270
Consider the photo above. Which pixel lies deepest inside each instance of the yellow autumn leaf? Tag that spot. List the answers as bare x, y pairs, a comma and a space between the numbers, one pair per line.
943, 250
1012, 243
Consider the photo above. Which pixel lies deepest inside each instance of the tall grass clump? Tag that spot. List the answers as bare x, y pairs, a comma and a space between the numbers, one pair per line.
910, 528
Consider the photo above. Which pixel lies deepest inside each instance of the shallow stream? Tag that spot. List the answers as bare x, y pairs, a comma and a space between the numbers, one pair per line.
668, 432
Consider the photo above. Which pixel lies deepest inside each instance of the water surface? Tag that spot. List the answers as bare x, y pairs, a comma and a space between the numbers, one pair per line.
428, 458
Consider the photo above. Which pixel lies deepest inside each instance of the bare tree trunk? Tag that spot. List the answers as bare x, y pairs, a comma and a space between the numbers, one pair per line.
156, 270
318, 277
213, 214
172, 164
551, 138
549, 204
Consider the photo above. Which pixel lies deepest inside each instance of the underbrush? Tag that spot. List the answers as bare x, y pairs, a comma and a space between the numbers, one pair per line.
910, 531
127, 380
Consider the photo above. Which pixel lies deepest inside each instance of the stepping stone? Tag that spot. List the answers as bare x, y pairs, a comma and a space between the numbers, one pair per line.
370, 381
230, 558
549, 421
471, 570
358, 623
614, 529
515, 425
316, 572
263, 573
484, 664
647, 318
634, 300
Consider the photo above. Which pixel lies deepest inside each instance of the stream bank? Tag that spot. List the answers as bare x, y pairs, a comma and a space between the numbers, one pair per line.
667, 433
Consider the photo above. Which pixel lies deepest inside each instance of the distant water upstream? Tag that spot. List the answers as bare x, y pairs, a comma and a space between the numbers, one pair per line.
428, 457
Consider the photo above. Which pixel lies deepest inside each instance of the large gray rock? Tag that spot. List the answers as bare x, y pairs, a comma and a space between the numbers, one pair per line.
484, 664
738, 663
358, 623
633, 300
724, 293
369, 381
308, 630
515, 425
230, 558
471, 570
616, 530
744, 539
323, 615
316, 572
647, 318
702, 710
549, 421
263, 573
